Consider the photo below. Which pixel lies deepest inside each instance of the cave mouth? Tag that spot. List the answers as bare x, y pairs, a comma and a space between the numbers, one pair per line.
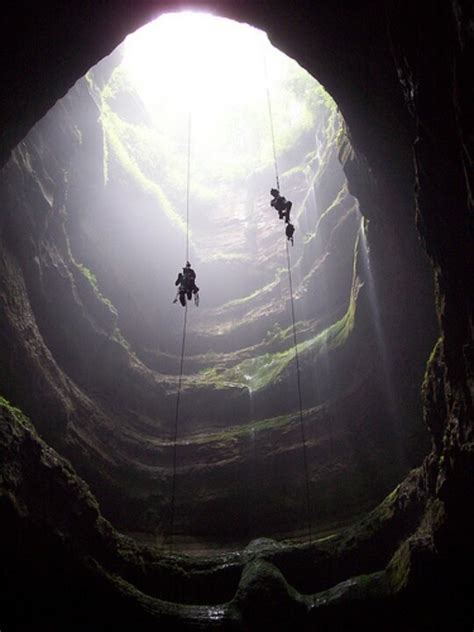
66, 362
218, 90
109, 164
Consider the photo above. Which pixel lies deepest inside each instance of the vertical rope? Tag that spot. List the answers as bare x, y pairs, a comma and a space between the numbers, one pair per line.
270, 116
183, 349
300, 399
188, 180
295, 340
176, 420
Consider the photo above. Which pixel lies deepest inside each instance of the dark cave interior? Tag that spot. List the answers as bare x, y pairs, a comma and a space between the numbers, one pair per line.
88, 381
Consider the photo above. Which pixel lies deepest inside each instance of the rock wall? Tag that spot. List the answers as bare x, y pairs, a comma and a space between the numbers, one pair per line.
240, 440
423, 528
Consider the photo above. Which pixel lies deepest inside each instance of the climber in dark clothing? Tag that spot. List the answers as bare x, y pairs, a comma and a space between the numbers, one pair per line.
186, 283
290, 229
282, 205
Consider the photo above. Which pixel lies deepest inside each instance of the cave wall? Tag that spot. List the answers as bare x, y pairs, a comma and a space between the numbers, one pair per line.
350, 74
230, 456
62, 187
391, 82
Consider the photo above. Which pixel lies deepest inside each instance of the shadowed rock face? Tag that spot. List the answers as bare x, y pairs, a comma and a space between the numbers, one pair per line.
107, 407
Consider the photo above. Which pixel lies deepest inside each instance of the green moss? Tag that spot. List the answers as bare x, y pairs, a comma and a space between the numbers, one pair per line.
89, 275
117, 335
385, 510
263, 590
398, 570
139, 146
254, 428
267, 288
19, 417
277, 335
260, 371
92, 279
434, 353
115, 130
16, 412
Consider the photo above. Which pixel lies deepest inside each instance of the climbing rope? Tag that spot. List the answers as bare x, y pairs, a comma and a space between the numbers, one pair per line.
188, 179
300, 399
270, 117
183, 349
176, 420
295, 340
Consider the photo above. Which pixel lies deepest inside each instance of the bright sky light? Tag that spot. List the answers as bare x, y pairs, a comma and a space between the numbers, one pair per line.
204, 63
217, 70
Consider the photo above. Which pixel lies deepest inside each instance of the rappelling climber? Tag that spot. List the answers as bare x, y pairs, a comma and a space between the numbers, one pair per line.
282, 205
187, 287
290, 229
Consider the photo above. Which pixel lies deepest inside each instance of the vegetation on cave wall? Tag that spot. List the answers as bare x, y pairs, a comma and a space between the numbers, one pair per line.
428, 583
240, 392
144, 154
151, 147
259, 371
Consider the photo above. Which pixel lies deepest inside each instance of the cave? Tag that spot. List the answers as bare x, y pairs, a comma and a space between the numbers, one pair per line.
322, 469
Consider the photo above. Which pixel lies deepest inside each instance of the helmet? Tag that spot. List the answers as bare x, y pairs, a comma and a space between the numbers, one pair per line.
188, 265
274, 192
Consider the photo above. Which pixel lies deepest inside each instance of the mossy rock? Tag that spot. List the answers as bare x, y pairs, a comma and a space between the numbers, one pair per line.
266, 601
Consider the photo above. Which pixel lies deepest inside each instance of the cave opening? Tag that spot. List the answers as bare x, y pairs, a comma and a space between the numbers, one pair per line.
88, 386
144, 109
109, 164
240, 339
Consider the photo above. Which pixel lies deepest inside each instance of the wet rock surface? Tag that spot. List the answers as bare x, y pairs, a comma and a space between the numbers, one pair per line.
239, 450
61, 559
